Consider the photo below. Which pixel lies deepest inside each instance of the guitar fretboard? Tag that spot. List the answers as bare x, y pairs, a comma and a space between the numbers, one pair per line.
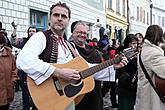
94, 69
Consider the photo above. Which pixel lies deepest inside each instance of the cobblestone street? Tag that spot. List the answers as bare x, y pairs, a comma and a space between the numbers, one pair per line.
17, 103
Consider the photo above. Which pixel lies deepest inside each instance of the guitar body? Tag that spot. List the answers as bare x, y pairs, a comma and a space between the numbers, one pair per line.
57, 94
160, 84
46, 96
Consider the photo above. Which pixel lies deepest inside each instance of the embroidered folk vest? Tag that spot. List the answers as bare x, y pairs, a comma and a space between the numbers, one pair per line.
50, 53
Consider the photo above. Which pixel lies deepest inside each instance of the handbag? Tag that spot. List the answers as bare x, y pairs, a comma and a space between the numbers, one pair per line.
159, 83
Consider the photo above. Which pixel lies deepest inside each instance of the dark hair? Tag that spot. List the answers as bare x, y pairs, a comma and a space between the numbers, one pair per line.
62, 5
113, 42
101, 32
94, 40
129, 38
0, 25
154, 34
74, 24
2, 38
32, 26
140, 34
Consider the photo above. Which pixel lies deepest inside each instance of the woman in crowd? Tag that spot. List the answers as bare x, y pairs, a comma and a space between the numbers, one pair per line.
152, 57
19, 43
127, 84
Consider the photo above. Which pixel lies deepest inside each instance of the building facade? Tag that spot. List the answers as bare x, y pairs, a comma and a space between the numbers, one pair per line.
158, 13
36, 12
116, 17
90, 11
139, 16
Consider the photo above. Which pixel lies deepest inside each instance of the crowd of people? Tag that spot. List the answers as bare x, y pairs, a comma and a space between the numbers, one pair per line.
125, 78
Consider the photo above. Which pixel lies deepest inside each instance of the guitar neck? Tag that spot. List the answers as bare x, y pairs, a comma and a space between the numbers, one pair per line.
90, 71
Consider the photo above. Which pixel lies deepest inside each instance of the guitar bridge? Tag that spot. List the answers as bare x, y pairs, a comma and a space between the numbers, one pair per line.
58, 86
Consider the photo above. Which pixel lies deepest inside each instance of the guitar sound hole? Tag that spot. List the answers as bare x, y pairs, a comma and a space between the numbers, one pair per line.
72, 89
77, 82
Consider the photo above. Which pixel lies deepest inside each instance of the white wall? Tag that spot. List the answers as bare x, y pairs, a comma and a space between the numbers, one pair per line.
82, 11
158, 10
19, 11
138, 26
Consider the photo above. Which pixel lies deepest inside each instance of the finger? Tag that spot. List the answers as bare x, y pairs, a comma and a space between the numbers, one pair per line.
125, 60
76, 76
123, 63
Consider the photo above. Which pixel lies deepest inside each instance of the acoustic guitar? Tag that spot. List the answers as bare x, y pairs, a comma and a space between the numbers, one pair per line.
57, 94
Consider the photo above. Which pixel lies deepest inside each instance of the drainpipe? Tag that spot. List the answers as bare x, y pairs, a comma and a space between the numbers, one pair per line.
151, 6
128, 26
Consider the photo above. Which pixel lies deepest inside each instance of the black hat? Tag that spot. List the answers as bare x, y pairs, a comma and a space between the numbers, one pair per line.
73, 25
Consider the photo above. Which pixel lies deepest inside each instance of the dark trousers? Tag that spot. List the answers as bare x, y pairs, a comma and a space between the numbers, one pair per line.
4, 107
17, 86
110, 85
92, 100
126, 102
27, 101
25, 93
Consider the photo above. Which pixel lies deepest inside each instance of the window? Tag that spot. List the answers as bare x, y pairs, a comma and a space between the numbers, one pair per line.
159, 20
124, 7
118, 6
153, 19
39, 19
147, 18
144, 16
163, 22
132, 12
137, 17
141, 14
110, 4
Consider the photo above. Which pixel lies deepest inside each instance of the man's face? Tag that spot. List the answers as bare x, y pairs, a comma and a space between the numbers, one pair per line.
59, 18
32, 31
80, 34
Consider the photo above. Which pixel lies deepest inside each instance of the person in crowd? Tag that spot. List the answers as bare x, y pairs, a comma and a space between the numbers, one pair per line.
140, 38
91, 55
111, 84
163, 45
19, 43
127, 83
152, 57
41, 69
3, 31
93, 42
8, 74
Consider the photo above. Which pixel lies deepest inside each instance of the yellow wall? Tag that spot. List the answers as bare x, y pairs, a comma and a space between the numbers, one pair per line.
115, 19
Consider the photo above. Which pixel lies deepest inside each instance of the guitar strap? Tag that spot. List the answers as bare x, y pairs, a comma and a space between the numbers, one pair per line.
50, 54
75, 54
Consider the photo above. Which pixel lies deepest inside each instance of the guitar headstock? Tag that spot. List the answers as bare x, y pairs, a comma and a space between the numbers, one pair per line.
14, 25
130, 53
